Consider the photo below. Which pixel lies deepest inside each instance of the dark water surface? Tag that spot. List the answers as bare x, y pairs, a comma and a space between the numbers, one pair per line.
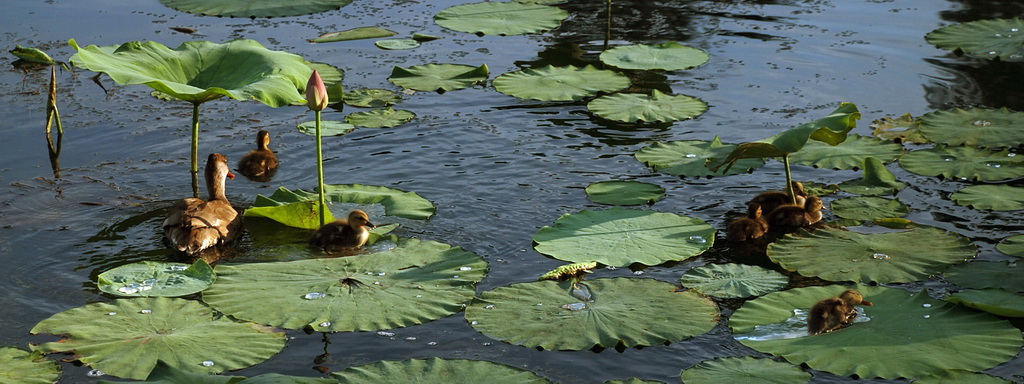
497, 168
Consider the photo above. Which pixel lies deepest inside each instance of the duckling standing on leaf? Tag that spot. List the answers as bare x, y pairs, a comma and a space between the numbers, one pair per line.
774, 199
261, 163
193, 225
835, 312
749, 228
342, 234
789, 218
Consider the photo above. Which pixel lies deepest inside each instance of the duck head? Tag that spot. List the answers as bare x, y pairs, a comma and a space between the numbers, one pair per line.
358, 219
263, 140
851, 297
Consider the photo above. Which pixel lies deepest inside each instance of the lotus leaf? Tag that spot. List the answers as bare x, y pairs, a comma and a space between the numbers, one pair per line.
986, 274
372, 98
976, 127
965, 163
327, 128
998, 302
127, 337
1013, 246
820, 189
439, 77
895, 257
354, 34
668, 56
987, 39
849, 154
633, 107
693, 158
994, 197
559, 83
255, 8
380, 118
906, 335
620, 237
436, 371
627, 311
634, 380
19, 366
416, 282
746, 369
299, 208
500, 18
877, 180
960, 376
424, 38
733, 280
624, 192
288, 208
868, 208
397, 44
32, 55
904, 129
150, 278
165, 374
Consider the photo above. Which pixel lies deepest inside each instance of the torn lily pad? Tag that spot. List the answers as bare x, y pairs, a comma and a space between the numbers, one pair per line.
439, 77
693, 158
501, 18
437, 371
745, 369
977, 127
615, 192
567, 83
633, 107
733, 280
18, 366
151, 278
668, 56
987, 39
965, 163
995, 197
849, 154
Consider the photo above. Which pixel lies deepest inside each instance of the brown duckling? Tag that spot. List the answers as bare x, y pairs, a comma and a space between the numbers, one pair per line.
350, 233
261, 163
789, 218
835, 312
774, 199
194, 224
748, 228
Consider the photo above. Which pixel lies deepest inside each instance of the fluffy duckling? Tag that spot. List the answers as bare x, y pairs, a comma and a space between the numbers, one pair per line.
749, 228
193, 224
350, 233
261, 163
774, 199
835, 312
789, 218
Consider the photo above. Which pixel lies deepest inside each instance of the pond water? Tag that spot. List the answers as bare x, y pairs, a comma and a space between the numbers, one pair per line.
497, 168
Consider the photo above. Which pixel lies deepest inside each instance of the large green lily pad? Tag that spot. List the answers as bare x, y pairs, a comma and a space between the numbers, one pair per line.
893, 257
255, 8
733, 280
903, 129
416, 282
986, 274
604, 312
620, 237
1013, 246
977, 127
908, 335
994, 197
633, 107
501, 18
987, 39
615, 192
436, 371
439, 77
867, 208
559, 83
965, 163
998, 302
380, 118
746, 369
166, 374
849, 154
18, 366
126, 337
693, 158
668, 56
151, 278
877, 180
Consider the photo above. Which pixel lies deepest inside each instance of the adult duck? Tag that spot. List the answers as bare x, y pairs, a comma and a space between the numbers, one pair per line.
261, 163
194, 224
789, 218
834, 313
771, 200
344, 234
747, 229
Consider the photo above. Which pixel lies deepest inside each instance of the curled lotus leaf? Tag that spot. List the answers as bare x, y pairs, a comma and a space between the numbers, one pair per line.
633, 107
255, 8
693, 158
354, 34
998, 302
849, 154
437, 371
986, 274
668, 56
867, 208
987, 39
617, 311
877, 180
616, 192
439, 77
903, 129
977, 127
744, 369
24, 367
892, 257
932, 334
994, 197
965, 163
1013, 246
733, 280
501, 18
567, 83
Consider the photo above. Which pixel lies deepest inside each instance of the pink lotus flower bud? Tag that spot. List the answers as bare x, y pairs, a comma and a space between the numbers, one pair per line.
316, 92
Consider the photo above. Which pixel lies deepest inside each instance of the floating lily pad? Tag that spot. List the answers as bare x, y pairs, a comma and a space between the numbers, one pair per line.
877, 180
354, 34
849, 154
18, 366
965, 163
693, 158
633, 107
976, 127
746, 369
668, 56
397, 44
868, 208
998, 302
436, 371
439, 77
327, 128
627, 311
904, 129
380, 118
908, 335
255, 8
126, 337
986, 274
624, 192
1013, 246
151, 278
372, 98
987, 39
165, 374
559, 83
417, 282
994, 197
947, 376
895, 257
733, 280
634, 380
299, 208
620, 237
501, 18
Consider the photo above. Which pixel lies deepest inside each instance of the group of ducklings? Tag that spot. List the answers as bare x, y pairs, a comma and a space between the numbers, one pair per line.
774, 212
194, 225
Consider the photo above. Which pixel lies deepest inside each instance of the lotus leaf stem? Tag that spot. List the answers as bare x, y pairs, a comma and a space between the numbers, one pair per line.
195, 150
789, 180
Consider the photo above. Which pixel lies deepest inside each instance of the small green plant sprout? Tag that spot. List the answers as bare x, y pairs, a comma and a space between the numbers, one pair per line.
574, 272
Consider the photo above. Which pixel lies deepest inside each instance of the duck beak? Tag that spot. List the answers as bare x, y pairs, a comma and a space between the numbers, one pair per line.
867, 303
231, 176
371, 225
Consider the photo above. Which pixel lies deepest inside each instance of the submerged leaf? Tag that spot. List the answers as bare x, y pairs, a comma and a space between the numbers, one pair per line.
559, 83
616, 192
877, 180
733, 280
977, 127
354, 34
255, 8
693, 158
501, 18
867, 208
436, 371
633, 107
965, 163
849, 154
150, 278
745, 369
994, 197
987, 39
438, 77
668, 56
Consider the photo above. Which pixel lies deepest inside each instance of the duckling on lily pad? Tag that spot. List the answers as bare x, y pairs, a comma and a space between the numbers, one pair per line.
748, 229
834, 313
774, 199
789, 218
344, 234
